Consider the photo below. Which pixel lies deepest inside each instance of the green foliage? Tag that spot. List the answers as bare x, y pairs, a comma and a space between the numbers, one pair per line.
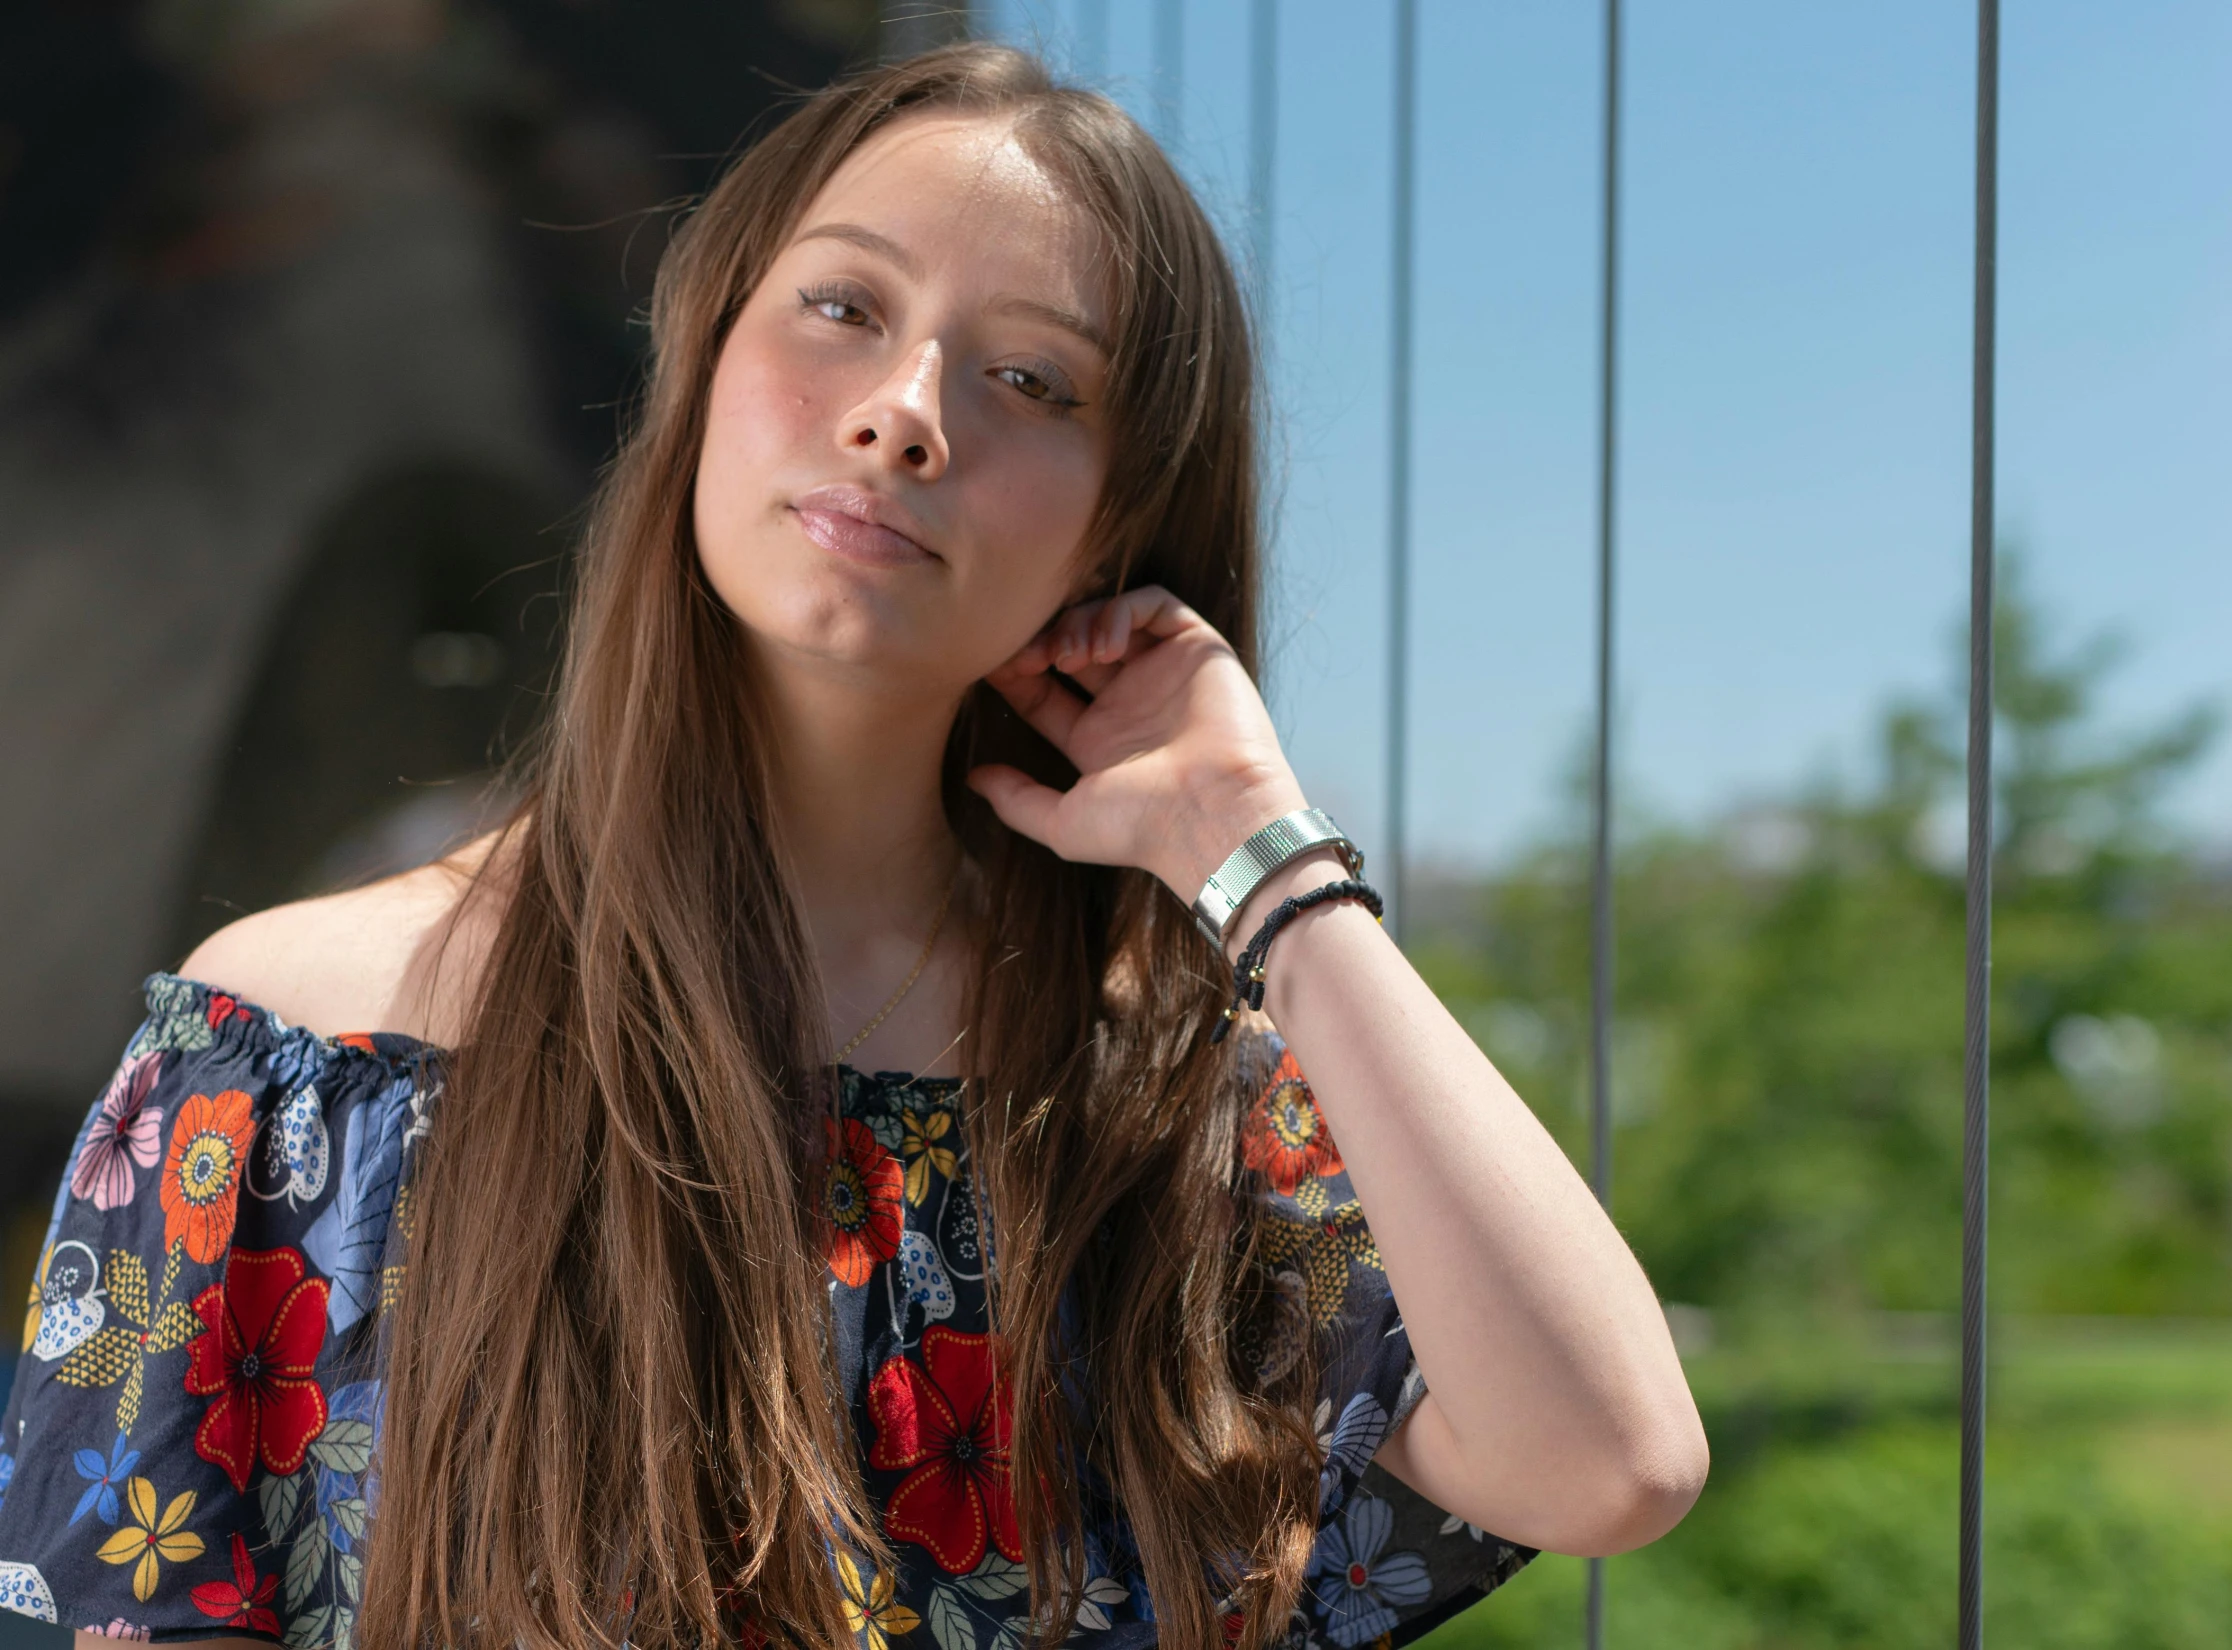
1787, 1064
1851, 1545
1788, 1039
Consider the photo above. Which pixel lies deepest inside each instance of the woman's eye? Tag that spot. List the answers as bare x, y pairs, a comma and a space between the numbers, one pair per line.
1037, 387
833, 306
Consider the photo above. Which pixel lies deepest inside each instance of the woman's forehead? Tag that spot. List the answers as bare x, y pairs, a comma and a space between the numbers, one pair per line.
937, 189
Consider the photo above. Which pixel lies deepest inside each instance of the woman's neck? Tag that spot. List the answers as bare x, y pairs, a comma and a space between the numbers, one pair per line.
857, 799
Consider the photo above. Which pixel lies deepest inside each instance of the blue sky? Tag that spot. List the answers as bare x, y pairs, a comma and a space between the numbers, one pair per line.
1795, 298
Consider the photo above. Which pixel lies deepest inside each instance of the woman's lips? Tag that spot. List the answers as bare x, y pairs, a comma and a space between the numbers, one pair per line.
859, 541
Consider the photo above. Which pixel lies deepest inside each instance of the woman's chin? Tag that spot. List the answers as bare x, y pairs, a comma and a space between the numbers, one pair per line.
858, 632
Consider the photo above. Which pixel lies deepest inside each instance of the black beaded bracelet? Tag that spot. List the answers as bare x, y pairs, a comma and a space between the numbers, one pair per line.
1247, 973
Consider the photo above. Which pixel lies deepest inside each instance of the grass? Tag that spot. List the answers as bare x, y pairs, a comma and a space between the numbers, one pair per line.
1830, 1518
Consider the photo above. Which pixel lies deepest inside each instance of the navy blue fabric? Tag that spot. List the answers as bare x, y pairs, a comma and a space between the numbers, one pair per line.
190, 1445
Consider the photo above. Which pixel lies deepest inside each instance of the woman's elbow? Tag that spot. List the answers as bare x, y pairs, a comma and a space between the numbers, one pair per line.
1590, 1491
1602, 1502
1645, 1495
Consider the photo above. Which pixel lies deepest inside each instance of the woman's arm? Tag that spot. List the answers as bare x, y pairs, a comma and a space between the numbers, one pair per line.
1557, 1413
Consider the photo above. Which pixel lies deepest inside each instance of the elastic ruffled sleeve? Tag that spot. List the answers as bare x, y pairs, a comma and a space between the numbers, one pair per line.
187, 1447
1387, 1560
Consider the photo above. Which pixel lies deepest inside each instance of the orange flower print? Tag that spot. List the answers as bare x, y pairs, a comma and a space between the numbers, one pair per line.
201, 1177
1285, 1137
861, 1214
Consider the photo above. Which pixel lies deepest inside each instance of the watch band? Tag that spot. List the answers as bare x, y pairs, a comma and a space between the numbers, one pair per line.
1279, 844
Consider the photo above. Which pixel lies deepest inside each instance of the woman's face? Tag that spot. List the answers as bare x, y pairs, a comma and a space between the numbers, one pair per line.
905, 440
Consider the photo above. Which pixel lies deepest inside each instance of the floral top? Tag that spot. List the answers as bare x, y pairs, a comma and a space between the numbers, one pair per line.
188, 1447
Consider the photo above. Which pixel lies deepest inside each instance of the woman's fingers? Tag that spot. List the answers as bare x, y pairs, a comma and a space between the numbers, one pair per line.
1022, 803
1112, 632
1040, 699
1159, 613
1102, 632
1095, 677
1089, 644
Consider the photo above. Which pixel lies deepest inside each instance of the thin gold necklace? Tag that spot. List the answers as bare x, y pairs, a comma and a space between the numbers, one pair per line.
937, 925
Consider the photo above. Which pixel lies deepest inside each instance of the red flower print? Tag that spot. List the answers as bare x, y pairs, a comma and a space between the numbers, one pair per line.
734, 1596
1285, 1136
223, 1008
244, 1601
255, 1359
201, 1177
947, 1419
860, 1214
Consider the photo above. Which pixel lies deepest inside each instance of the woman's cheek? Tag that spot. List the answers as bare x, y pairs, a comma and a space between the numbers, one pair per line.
766, 407
1027, 582
755, 447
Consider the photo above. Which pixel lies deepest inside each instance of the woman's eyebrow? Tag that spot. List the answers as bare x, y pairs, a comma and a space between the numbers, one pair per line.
1037, 309
1007, 303
853, 234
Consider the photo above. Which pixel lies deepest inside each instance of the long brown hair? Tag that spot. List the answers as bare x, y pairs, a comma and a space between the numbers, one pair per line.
607, 1412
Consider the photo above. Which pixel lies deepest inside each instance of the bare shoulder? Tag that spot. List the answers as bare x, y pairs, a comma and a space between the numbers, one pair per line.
398, 955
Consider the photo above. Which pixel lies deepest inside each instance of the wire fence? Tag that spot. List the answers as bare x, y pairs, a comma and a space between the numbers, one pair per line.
1089, 48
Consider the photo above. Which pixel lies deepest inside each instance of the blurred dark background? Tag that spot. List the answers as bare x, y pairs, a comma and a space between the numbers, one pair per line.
316, 320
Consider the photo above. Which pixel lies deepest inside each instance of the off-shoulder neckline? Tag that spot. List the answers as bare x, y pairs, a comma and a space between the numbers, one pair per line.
402, 1048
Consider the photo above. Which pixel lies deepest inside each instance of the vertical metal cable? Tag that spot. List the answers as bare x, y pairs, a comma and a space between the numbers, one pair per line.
1170, 72
1600, 869
1399, 461
1263, 147
1976, 1133
1092, 41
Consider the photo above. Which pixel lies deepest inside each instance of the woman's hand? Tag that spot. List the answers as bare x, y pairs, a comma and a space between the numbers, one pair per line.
1556, 1411
1177, 760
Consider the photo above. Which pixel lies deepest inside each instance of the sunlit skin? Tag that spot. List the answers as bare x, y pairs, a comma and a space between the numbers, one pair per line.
922, 369
864, 359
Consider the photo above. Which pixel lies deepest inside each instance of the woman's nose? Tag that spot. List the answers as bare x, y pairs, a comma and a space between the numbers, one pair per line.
901, 424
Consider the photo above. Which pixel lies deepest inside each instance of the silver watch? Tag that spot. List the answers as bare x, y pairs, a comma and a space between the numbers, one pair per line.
1278, 845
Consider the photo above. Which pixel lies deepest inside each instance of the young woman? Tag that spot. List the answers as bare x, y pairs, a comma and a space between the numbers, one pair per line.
552, 1247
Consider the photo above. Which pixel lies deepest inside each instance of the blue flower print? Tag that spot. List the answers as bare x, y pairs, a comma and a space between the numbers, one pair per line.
7, 1477
1348, 1444
348, 1241
100, 1493
1357, 1583
296, 1060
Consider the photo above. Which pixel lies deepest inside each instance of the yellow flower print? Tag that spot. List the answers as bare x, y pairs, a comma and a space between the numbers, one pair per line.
921, 1146
34, 1310
148, 1539
1323, 1246
870, 1608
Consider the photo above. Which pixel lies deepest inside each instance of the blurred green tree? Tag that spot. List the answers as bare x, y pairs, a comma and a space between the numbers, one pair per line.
1787, 1052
